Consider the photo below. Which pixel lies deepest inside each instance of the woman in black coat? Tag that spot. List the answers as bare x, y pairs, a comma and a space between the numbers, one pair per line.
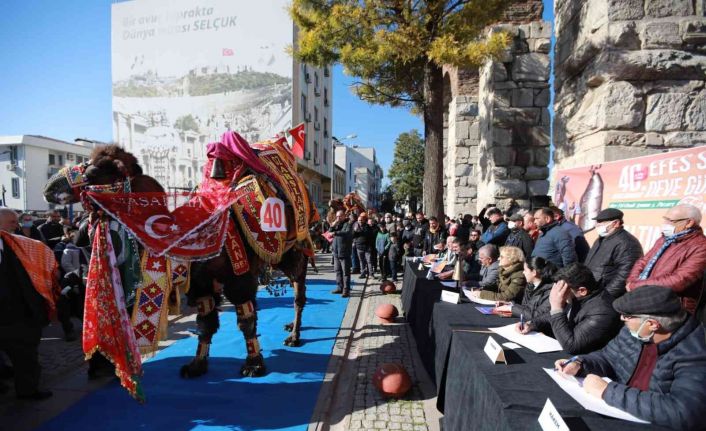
538, 273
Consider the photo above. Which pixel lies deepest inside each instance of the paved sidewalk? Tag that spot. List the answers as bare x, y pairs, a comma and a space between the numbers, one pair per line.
350, 401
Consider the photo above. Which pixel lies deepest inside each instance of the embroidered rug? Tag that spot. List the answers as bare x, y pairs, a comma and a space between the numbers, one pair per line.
269, 246
149, 315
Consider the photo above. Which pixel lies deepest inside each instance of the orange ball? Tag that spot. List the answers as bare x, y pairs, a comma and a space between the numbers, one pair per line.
388, 287
386, 313
392, 380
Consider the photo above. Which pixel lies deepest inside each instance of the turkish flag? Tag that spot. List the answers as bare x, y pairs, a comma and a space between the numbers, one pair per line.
194, 229
299, 138
227, 52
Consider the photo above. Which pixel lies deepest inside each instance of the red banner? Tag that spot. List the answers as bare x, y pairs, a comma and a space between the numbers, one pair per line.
644, 188
183, 225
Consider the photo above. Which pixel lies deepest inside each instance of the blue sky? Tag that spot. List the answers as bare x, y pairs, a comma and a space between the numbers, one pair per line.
55, 78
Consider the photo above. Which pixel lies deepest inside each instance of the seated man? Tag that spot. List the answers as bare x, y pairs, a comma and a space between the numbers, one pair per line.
677, 260
488, 277
657, 362
581, 316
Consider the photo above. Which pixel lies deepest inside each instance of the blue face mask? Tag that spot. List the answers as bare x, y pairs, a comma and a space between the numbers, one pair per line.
645, 339
27, 224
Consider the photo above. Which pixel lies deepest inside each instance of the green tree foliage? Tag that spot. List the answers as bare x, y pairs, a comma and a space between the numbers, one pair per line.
407, 170
396, 49
186, 122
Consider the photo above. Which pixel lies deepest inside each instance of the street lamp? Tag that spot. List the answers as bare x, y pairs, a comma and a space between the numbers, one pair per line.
335, 140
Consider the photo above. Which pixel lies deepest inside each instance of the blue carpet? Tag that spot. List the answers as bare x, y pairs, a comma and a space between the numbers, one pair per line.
284, 399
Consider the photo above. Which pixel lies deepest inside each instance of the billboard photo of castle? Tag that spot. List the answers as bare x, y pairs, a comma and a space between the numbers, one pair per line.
184, 72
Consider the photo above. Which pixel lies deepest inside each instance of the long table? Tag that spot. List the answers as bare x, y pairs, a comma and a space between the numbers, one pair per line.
482, 395
472, 392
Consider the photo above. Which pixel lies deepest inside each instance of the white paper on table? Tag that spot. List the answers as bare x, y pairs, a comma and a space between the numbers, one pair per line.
511, 345
449, 284
477, 300
535, 341
574, 388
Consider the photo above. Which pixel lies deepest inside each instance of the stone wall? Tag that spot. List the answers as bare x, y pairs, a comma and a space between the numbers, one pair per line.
630, 78
514, 119
462, 138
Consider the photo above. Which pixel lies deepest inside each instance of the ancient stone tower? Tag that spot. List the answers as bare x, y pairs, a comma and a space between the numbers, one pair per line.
497, 124
629, 78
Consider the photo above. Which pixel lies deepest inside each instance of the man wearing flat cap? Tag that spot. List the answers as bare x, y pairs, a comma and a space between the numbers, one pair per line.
657, 363
518, 237
614, 253
678, 259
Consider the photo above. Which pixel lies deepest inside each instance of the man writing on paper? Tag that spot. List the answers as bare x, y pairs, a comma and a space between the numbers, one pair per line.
657, 362
581, 317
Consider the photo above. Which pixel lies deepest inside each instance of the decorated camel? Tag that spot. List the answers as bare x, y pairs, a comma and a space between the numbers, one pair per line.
219, 229
351, 203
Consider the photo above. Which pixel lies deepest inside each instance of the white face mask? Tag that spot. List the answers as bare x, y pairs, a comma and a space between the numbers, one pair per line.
637, 335
511, 224
668, 229
602, 230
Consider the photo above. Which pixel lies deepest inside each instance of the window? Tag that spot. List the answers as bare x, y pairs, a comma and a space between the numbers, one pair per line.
13, 155
316, 114
325, 96
52, 160
303, 105
316, 80
16, 188
326, 156
350, 170
325, 127
61, 160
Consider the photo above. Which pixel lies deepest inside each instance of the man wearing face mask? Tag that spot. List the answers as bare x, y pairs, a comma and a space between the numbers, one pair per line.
677, 260
614, 253
518, 237
581, 315
657, 362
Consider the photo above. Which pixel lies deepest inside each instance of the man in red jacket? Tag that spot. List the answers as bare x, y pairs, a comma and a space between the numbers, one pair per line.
678, 258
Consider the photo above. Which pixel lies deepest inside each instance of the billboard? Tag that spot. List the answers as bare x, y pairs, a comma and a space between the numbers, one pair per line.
185, 71
644, 188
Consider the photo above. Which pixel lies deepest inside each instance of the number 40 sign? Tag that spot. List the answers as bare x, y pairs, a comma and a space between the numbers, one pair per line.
272, 216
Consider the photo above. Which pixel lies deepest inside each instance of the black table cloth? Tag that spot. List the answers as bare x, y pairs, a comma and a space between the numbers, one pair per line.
481, 395
447, 320
418, 298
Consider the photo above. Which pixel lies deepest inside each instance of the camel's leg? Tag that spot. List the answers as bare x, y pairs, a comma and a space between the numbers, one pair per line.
242, 297
298, 280
207, 322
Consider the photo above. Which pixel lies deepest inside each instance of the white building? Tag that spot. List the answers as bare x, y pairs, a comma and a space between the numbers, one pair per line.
363, 173
28, 161
313, 106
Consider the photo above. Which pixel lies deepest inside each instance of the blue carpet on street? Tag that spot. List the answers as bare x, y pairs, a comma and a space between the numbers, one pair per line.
284, 399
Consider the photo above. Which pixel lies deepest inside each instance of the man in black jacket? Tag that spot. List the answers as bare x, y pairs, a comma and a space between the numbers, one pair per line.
614, 253
420, 230
581, 316
52, 230
518, 237
657, 363
434, 236
363, 241
342, 248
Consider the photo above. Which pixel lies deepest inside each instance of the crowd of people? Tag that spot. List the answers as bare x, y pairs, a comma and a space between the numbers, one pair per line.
631, 316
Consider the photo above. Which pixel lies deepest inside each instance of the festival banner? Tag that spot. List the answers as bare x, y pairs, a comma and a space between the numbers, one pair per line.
184, 71
644, 188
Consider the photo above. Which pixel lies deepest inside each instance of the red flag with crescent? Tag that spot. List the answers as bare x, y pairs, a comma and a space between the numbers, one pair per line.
299, 138
183, 225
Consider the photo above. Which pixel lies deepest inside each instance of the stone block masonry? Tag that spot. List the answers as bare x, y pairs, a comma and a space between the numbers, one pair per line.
630, 78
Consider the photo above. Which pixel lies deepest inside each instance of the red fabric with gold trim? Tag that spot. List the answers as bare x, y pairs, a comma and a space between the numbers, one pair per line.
195, 228
289, 181
267, 245
106, 324
236, 250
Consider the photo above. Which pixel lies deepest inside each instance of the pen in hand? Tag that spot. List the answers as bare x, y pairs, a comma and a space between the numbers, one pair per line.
567, 362
522, 321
